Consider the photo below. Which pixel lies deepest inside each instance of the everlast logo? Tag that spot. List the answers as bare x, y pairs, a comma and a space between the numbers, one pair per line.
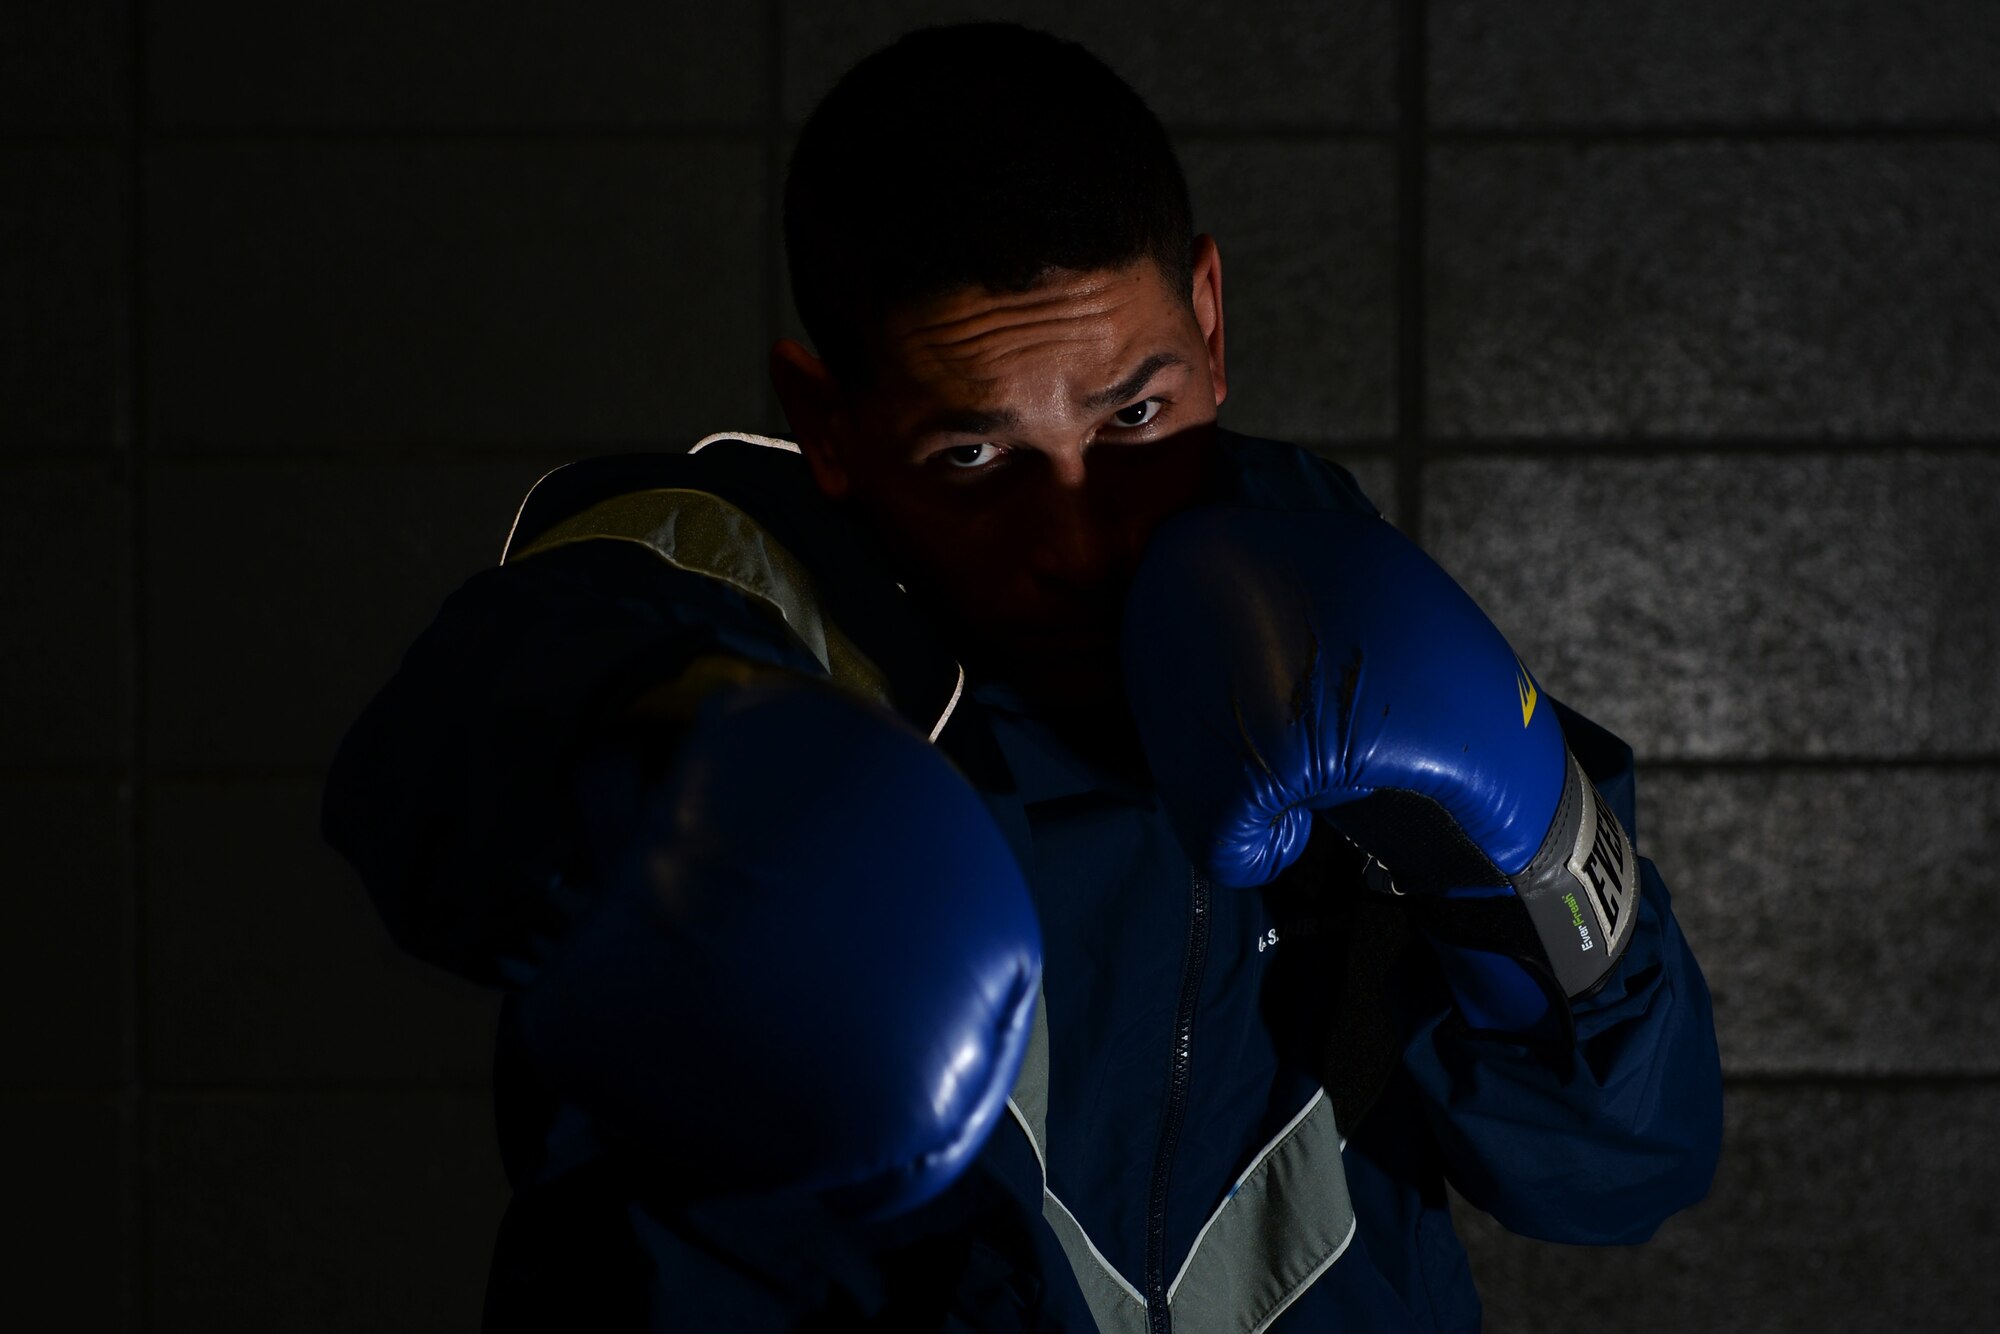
1604, 869
1602, 861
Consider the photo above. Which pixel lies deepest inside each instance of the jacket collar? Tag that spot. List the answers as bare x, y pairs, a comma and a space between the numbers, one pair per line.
1046, 768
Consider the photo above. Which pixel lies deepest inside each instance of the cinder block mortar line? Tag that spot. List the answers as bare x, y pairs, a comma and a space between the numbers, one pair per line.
727, 132
1191, 132
43, 1094
113, 775
44, 455
279, 1090
379, 454
61, 138
1653, 447
1762, 764
1412, 167
223, 774
137, 1110
1696, 131
1886, 1081
774, 202
731, 131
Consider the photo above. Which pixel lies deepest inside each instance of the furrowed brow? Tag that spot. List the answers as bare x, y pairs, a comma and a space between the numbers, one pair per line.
1122, 392
969, 421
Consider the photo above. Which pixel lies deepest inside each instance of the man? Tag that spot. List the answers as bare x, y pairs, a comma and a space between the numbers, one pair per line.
1020, 856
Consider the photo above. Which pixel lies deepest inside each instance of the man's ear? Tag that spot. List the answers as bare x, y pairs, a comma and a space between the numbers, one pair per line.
1207, 298
816, 409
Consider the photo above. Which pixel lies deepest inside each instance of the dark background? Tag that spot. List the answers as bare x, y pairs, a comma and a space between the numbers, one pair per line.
1672, 329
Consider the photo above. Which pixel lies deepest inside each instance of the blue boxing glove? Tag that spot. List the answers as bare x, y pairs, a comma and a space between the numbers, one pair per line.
1288, 669
815, 961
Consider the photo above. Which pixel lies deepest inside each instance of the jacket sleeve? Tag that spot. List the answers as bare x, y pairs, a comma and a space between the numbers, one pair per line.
456, 793
1604, 1144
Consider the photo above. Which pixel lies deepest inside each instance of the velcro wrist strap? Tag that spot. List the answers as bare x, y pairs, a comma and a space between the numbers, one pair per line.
1580, 885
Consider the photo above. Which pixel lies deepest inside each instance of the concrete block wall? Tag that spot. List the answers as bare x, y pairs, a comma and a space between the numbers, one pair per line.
1671, 330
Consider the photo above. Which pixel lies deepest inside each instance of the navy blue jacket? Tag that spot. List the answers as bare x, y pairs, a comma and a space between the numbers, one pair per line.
453, 797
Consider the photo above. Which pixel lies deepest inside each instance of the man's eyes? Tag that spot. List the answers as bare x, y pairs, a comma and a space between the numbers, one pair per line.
968, 456
1147, 410
982, 456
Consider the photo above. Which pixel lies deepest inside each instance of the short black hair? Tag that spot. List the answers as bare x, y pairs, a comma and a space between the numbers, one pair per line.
972, 155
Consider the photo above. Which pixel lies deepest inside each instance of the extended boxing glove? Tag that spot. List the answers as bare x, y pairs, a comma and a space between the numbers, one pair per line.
815, 961
1293, 669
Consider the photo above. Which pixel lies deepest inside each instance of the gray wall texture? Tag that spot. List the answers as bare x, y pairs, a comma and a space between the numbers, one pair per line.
1672, 329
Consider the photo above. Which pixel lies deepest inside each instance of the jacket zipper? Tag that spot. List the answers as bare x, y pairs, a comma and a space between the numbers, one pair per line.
1158, 1321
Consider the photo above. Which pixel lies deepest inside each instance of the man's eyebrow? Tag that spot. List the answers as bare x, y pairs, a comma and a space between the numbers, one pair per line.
1122, 392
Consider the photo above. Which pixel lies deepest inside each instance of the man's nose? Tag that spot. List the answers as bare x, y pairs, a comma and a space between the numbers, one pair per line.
1077, 543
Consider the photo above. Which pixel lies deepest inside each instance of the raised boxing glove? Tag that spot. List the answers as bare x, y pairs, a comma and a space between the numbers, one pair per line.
1292, 668
815, 961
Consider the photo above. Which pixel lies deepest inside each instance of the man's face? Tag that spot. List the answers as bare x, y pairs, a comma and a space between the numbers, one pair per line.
1016, 450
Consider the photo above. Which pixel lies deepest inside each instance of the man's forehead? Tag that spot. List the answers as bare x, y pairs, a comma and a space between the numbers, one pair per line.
1069, 337
967, 313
